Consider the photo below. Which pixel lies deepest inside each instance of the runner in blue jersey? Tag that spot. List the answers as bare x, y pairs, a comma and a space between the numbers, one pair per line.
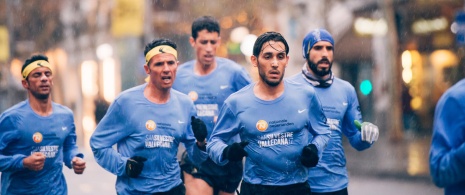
281, 124
148, 122
447, 153
341, 107
209, 80
37, 136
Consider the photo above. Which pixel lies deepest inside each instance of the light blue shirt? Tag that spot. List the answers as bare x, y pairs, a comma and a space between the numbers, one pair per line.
447, 154
208, 93
276, 130
154, 131
341, 107
23, 132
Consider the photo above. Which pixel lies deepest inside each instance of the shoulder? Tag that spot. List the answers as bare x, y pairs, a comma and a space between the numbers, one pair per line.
456, 92
238, 95
224, 63
130, 94
62, 109
14, 111
186, 66
183, 98
300, 87
297, 78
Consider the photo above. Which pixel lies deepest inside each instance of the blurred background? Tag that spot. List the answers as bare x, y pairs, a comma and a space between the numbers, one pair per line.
400, 55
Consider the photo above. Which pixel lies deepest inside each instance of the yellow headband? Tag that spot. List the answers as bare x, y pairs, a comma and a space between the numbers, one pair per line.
33, 65
161, 49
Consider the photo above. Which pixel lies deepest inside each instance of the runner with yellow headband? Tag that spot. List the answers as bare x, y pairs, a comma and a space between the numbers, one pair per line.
38, 136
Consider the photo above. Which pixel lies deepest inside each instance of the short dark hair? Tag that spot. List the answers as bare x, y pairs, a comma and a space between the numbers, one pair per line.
268, 36
205, 23
158, 42
33, 59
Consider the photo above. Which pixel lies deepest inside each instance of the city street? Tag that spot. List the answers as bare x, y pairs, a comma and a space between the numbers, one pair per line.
96, 180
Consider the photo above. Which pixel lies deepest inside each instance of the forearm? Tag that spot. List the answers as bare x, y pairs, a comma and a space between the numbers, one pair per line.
447, 168
215, 149
110, 160
357, 143
11, 163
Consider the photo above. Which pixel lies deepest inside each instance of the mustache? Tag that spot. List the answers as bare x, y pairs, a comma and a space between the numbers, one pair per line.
323, 60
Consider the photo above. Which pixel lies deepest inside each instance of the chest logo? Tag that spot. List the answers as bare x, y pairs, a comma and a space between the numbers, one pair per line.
223, 86
150, 125
262, 125
193, 95
37, 137
300, 111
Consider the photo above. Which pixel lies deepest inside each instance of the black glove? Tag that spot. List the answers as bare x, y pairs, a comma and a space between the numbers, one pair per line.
134, 166
309, 156
235, 151
199, 128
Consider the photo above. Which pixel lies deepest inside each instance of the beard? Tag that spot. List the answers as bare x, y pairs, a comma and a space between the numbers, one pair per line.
322, 72
40, 96
269, 82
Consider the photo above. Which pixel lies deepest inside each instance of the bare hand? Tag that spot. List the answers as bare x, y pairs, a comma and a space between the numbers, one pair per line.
78, 165
34, 162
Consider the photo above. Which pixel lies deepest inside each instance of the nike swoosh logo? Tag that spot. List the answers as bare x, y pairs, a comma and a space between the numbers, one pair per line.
344, 103
300, 111
63, 128
223, 86
180, 122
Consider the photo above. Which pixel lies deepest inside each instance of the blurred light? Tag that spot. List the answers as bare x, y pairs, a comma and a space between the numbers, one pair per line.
104, 51
88, 124
366, 87
247, 44
15, 69
109, 86
238, 34
443, 58
406, 59
423, 26
89, 78
226, 22
454, 27
407, 75
416, 103
368, 26
242, 17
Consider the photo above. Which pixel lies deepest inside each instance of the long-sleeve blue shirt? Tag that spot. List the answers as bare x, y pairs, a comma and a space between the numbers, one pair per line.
23, 132
276, 130
208, 93
341, 107
447, 154
154, 131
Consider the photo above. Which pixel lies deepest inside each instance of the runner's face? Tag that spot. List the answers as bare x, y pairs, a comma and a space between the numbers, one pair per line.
320, 58
161, 69
271, 62
205, 46
39, 83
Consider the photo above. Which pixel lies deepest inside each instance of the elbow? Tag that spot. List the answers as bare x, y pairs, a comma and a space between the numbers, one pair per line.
438, 181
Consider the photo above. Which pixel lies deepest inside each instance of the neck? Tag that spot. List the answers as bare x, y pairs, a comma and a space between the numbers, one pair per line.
317, 76
266, 92
41, 107
155, 95
204, 69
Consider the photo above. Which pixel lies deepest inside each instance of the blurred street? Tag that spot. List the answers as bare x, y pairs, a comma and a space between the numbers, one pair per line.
96, 180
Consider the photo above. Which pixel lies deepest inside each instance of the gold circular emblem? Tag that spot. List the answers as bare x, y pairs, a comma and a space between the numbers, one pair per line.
37, 137
193, 95
262, 125
150, 125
